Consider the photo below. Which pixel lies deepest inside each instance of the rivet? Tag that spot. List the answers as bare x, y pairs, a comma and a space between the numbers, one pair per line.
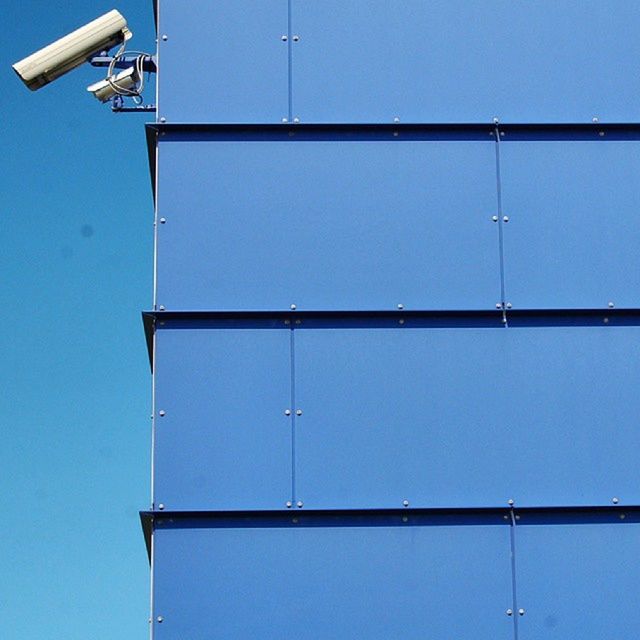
611, 305
161, 307
163, 220
622, 516
159, 618
163, 119
161, 413
510, 501
293, 307
401, 321
288, 504
299, 504
296, 38
161, 506
494, 218
509, 612
498, 305
165, 37
505, 219
400, 306
396, 119
615, 500
287, 412
283, 38
285, 120
298, 412
296, 120
405, 503
521, 612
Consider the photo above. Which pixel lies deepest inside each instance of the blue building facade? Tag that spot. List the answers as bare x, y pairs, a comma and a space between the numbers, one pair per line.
395, 337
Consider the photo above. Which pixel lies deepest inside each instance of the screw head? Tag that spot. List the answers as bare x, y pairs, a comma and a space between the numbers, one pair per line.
595, 119
601, 134
405, 503
165, 37
298, 412
405, 519
498, 305
510, 501
296, 38
285, 120
615, 500
509, 305
623, 516
161, 307
494, 218
509, 612
287, 412
521, 612
283, 38
161, 507
159, 618
400, 306
396, 119
505, 219
296, 120
162, 413
401, 321
611, 305
288, 504
163, 220
163, 119
293, 307
496, 120
298, 321
299, 504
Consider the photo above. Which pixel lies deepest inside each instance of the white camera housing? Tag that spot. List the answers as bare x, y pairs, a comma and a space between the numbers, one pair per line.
126, 81
69, 52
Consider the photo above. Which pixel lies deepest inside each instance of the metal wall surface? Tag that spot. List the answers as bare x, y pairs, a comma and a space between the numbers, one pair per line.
327, 224
332, 578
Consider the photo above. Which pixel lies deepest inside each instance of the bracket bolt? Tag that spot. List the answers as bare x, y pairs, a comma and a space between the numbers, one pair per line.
161, 413
288, 504
293, 307
299, 504
296, 38
521, 612
405, 503
509, 612
287, 412
615, 500
298, 412
159, 618
283, 38
494, 218
505, 219
161, 507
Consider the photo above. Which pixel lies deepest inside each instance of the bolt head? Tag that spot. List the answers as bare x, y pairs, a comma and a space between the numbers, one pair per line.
299, 504
285, 120
160, 619
595, 119
401, 306
496, 120
288, 504
405, 503
401, 321
163, 119
163, 220
161, 507
293, 307
296, 38
296, 120
165, 37
615, 500
498, 305
162, 413
505, 219
287, 412
521, 612
396, 119
623, 516
509, 305
283, 38
510, 501
611, 305
298, 412
494, 218
509, 612
161, 307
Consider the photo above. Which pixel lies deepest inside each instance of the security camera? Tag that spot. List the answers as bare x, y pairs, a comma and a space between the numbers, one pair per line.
123, 83
69, 52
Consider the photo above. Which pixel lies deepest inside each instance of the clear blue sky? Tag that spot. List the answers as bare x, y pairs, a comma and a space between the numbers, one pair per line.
76, 222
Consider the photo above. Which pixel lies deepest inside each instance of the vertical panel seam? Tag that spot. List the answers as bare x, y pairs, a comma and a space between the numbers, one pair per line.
515, 614
289, 60
293, 414
500, 218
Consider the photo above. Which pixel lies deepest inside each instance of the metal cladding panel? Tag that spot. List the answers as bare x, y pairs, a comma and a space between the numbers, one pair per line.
222, 61
347, 582
221, 439
578, 580
573, 235
434, 62
327, 225
467, 417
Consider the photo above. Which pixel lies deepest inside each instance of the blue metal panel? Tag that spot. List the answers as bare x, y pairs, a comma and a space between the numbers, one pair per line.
466, 417
223, 61
327, 225
578, 580
469, 62
347, 582
222, 440
573, 234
